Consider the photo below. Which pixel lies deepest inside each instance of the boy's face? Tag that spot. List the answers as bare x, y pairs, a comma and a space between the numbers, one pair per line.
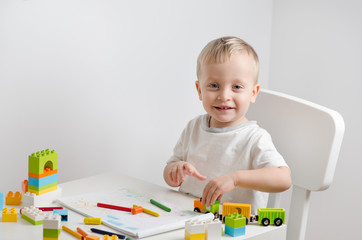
227, 89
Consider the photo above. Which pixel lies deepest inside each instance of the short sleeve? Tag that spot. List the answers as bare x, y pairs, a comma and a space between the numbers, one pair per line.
263, 152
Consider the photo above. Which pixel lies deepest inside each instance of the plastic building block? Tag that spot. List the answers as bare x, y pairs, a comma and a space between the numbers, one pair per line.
42, 160
213, 229
51, 227
235, 220
1, 201
13, 199
33, 215
40, 182
51, 233
194, 230
235, 225
9, 216
63, 214
113, 237
234, 232
29, 199
39, 192
43, 172
52, 221
24, 186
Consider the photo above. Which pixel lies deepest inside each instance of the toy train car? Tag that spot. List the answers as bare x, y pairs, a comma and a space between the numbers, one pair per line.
265, 216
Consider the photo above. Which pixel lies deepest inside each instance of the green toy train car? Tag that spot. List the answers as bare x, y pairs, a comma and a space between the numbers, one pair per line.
268, 216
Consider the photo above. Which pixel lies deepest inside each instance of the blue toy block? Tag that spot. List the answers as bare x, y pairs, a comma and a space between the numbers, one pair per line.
1, 201
234, 232
36, 182
63, 214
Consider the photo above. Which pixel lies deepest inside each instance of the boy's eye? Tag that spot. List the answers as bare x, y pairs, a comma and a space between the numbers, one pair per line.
213, 85
237, 87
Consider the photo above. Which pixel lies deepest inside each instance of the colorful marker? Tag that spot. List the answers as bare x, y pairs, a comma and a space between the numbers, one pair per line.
75, 234
82, 232
103, 205
145, 210
92, 221
167, 209
95, 230
49, 208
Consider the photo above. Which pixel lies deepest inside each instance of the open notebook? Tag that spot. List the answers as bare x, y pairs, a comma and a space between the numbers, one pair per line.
139, 225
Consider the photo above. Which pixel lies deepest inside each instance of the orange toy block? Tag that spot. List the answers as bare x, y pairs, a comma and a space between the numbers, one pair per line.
13, 199
24, 186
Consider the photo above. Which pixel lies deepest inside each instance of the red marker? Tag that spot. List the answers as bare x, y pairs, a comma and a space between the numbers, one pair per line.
103, 205
49, 208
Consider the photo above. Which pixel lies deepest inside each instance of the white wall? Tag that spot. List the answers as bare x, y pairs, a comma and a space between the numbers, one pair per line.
108, 84
317, 55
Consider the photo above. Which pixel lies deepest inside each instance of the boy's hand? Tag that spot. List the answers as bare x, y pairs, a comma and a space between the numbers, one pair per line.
216, 188
179, 171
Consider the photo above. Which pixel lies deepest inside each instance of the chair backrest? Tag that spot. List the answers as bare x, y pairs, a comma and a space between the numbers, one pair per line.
309, 137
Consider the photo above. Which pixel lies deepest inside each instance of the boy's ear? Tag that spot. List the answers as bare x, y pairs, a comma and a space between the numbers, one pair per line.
255, 93
198, 88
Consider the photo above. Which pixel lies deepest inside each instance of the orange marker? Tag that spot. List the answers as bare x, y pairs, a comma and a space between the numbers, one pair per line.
136, 210
82, 232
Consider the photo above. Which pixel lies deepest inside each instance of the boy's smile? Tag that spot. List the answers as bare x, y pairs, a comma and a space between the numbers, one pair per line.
227, 89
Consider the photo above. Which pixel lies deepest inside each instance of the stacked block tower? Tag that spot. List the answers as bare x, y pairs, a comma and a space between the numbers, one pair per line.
43, 172
235, 225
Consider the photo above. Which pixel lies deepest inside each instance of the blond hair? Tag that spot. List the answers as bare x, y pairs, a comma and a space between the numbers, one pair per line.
220, 50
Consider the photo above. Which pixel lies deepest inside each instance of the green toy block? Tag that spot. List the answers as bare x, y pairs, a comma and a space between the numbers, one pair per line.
39, 222
41, 160
51, 233
235, 220
43, 187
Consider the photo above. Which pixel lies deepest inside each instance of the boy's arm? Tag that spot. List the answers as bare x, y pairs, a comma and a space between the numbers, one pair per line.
175, 173
270, 179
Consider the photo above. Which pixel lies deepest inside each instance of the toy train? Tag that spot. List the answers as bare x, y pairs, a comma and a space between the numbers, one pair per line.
265, 216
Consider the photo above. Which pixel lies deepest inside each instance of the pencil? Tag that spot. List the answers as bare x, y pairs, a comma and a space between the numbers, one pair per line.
145, 210
75, 234
167, 209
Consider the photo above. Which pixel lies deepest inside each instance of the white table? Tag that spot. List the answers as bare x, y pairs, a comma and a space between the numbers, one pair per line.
22, 230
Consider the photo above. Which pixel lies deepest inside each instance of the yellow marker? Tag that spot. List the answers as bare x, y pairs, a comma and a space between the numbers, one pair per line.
145, 210
93, 221
75, 234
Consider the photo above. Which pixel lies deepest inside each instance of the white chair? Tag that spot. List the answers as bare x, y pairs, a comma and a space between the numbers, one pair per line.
309, 137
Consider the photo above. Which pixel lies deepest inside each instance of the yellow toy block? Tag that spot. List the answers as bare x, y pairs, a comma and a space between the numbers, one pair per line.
199, 236
10, 216
107, 237
13, 199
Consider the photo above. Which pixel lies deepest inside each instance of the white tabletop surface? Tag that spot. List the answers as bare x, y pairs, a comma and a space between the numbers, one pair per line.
23, 230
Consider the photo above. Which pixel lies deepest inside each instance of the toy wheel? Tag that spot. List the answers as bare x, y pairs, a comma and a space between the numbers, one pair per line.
265, 221
247, 221
197, 209
278, 222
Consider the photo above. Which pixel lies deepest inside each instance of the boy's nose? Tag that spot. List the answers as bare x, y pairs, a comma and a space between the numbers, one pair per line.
224, 95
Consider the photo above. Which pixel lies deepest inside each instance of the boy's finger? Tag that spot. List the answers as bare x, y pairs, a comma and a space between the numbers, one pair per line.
198, 175
180, 174
193, 172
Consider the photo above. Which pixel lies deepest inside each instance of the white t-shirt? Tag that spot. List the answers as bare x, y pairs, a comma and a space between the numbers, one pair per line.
219, 151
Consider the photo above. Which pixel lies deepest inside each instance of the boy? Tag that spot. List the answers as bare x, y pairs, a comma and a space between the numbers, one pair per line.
235, 155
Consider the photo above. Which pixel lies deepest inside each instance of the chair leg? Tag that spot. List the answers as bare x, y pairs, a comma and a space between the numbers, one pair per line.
298, 214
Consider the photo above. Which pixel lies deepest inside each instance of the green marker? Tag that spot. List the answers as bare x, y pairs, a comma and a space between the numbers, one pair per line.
167, 209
